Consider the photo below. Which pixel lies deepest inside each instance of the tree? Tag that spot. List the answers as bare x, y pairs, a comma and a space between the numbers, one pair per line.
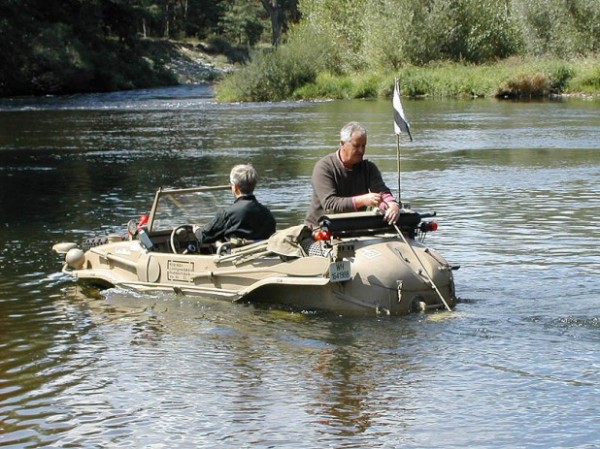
203, 17
280, 13
241, 23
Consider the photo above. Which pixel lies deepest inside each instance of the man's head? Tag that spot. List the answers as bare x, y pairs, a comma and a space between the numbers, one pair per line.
353, 143
243, 177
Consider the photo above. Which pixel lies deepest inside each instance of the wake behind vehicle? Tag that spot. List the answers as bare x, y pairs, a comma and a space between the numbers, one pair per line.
354, 263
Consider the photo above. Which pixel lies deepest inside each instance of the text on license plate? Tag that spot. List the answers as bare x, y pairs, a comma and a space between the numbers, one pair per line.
340, 271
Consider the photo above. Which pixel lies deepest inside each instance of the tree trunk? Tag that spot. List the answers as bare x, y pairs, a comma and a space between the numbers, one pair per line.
275, 13
167, 18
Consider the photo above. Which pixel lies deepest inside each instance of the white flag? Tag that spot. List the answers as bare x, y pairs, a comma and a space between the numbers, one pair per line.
400, 123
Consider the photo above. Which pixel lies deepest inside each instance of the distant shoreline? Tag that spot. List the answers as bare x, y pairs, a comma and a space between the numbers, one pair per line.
512, 78
187, 63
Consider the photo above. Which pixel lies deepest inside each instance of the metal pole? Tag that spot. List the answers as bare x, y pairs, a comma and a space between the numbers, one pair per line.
398, 168
424, 269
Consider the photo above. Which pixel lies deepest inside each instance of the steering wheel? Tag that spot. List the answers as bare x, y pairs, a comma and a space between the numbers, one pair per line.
180, 240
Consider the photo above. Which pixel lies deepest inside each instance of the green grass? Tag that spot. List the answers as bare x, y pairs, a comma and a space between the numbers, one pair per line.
510, 78
586, 79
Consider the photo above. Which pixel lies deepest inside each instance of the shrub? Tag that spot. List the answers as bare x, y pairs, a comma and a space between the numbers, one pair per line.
329, 86
525, 86
560, 76
326, 86
586, 78
561, 28
274, 74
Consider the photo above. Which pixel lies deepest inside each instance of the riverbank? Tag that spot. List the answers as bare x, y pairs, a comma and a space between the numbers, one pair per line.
510, 79
110, 65
159, 62
195, 63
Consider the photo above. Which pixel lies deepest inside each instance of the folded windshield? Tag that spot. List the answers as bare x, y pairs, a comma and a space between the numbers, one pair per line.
189, 206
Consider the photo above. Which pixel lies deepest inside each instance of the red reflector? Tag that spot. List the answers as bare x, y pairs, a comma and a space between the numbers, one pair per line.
428, 226
319, 234
143, 221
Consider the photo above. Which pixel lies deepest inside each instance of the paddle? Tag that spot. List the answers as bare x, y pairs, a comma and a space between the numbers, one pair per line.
303, 267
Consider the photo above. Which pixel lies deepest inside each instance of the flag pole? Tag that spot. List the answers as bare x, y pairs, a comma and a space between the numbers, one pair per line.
398, 168
400, 126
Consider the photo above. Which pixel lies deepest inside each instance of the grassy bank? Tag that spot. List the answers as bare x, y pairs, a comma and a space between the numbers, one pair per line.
511, 78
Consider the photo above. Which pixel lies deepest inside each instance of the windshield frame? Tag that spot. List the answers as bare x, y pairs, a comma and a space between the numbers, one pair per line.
210, 196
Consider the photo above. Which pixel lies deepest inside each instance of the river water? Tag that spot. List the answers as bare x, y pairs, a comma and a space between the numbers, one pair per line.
516, 187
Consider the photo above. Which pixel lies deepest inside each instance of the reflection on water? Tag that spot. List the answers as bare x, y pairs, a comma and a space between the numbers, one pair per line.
515, 186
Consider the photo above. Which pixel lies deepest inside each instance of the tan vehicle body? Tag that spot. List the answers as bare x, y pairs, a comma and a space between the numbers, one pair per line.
362, 266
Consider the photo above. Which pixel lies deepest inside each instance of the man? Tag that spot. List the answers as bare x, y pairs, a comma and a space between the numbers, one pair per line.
345, 182
246, 218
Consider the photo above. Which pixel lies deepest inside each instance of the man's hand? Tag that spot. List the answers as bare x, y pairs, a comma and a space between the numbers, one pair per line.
392, 212
370, 199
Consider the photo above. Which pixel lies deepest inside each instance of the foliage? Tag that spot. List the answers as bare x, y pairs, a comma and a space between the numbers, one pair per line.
442, 37
60, 46
525, 86
273, 76
241, 23
588, 82
585, 76
220, 46
96, 49
63, 46
510, 78
390, 33
484, 31
57, 61
334, 87
561, 28
538, 78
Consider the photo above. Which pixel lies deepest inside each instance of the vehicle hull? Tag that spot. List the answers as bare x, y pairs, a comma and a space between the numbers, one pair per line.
388, 274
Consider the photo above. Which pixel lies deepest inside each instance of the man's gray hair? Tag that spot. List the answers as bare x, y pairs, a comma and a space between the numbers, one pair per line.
245, 177
351, 128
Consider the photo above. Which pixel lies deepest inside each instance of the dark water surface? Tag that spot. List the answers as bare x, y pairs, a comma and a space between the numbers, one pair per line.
517, 365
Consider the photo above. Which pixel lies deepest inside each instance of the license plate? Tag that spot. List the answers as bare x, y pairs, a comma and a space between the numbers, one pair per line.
340, 271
